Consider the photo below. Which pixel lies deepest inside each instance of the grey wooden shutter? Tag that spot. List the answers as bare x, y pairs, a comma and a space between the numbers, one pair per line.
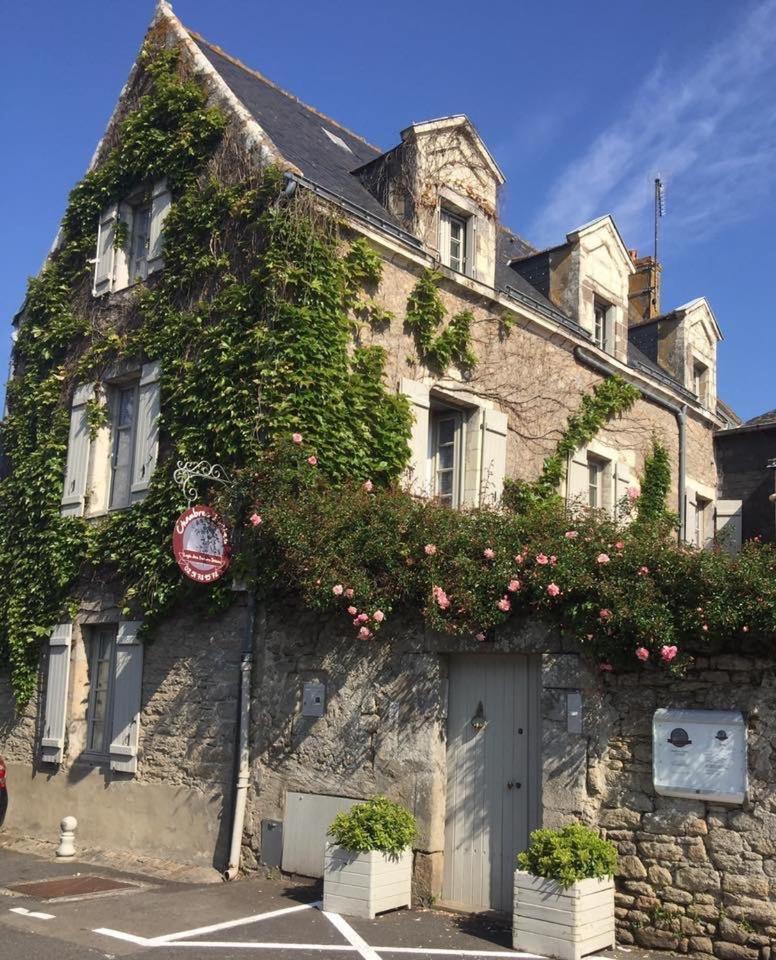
127, 688
472, 461
52, 744
578, 479
494, 455
160, 207
728, 524
621, 484
106, 251
418, 395
78, 443
146, 430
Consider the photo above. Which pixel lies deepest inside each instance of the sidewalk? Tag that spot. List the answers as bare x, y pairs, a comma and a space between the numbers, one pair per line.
276, 919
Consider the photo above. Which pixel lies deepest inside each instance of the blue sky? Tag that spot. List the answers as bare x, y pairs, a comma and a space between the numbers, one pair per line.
581, 104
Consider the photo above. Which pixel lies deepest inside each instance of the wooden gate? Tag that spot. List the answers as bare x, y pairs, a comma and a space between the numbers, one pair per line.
493, 775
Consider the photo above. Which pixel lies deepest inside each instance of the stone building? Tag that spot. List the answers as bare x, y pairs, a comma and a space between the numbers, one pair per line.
139, 740
746, 458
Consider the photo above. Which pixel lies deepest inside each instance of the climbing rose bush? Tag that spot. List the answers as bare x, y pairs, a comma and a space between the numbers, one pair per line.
630, 595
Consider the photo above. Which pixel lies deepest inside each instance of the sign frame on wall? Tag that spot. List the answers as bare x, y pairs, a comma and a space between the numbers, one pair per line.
201, 544
700, 754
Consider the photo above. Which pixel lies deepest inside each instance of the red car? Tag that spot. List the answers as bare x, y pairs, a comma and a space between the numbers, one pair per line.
3, 792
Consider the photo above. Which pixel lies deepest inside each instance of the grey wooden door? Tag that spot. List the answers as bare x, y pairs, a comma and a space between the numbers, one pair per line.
493, 775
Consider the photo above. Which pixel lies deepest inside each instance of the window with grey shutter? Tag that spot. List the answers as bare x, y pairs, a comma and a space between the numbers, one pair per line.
127, 690
78, 443
160, 207
494, 455
146, 430
52, 744
106, 251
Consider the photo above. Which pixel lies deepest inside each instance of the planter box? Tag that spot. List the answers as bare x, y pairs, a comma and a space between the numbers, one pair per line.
363, 884
567, 923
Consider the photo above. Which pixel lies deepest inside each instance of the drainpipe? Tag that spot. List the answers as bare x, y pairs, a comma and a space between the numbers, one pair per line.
680, 412
243, 758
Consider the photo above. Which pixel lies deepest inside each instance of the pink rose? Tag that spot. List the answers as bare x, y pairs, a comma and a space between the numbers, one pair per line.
504, 604
542, 559
362, 617
337, 589
349, 593
619, 545
514, 586
443, 601
642, 653
313, 461
488, 553
519, 559
553, 559
643, 571
570, 534
705, 628
669, 653
633, 493
296, 437
605, 667
255, 519
745, 629
602, 558
352, 611
368, 486
364, 633
604, 614
378, 616
553, 589
430, 549
481, 637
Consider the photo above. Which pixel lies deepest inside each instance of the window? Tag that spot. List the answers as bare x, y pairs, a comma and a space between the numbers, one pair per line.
129, 238
601, 324
124, 403
597, 483
111, 468
99, 712
700, 378
453, 241
446, 457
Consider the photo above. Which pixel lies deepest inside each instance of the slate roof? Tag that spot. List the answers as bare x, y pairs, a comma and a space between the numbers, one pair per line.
765, 419
300, 133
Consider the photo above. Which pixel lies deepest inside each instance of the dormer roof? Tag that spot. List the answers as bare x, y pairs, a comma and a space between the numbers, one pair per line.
448, 123
607, 224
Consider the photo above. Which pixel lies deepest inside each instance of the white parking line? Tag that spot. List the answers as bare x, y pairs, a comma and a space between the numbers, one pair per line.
351, 936
229, 924
249, 945
32, 913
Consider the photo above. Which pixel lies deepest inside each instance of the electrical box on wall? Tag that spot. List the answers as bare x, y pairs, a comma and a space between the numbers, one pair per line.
313, 699
700, 754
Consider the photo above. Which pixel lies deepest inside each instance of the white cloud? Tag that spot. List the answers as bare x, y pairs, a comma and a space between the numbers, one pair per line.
708, 127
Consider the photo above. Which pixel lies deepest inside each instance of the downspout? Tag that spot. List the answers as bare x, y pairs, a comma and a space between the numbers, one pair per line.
680, 412
243, 755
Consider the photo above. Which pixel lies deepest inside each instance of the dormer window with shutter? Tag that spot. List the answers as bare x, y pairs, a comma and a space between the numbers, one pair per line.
454, 241
110, 468
130, 239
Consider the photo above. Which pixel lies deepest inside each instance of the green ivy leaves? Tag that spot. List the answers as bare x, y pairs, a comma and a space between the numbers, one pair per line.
425, 314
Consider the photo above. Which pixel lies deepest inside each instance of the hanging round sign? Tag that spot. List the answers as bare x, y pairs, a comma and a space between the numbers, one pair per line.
200, 542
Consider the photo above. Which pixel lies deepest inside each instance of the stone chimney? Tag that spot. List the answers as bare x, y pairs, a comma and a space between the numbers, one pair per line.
644, 292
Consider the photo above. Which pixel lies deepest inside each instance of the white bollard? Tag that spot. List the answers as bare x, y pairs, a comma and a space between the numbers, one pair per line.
66, 848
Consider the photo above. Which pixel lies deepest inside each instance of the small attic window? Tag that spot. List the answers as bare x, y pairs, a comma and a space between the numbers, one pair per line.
335, 139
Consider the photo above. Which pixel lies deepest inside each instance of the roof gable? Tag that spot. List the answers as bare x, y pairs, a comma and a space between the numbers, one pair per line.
699, 311
607, 226
448, 123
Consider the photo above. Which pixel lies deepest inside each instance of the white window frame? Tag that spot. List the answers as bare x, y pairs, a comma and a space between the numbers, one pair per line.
702, 512
602, 314
93, 640
438, 416
447, 219
700, 381
599, 482
115, 390
137, 263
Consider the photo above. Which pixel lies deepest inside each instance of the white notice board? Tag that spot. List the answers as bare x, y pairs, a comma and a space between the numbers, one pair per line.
701, 754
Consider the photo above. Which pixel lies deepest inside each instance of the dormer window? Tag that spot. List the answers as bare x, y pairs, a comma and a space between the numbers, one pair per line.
700, 377
453, 242
601, 323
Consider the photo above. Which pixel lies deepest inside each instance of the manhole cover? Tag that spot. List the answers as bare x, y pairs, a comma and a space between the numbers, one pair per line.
69, 887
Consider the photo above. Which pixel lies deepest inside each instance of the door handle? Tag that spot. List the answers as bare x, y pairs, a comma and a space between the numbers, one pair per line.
509, 784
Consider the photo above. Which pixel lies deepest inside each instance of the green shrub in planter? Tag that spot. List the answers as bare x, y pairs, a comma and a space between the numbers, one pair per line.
572, 853
376, 824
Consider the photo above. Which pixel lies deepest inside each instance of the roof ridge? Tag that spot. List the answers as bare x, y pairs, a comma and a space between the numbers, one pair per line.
256, 73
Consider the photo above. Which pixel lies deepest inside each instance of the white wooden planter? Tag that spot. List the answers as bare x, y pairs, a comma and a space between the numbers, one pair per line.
567, 923
363, 884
